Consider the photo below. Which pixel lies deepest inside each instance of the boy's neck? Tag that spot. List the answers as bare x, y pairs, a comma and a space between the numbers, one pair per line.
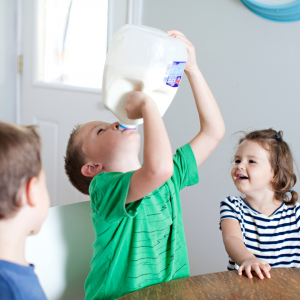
12, 241
124, 165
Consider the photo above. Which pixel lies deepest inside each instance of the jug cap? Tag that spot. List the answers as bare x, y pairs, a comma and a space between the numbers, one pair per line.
123, 127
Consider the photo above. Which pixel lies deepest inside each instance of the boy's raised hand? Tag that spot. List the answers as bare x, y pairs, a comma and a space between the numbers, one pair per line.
158, 160
191, 63
134, 104
257, 265
212, 128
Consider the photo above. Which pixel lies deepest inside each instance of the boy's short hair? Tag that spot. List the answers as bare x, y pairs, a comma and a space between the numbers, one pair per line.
20, 160
74, 160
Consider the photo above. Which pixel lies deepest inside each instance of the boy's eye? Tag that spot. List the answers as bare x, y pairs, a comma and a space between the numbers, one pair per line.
251, 161
99, 130
237, 161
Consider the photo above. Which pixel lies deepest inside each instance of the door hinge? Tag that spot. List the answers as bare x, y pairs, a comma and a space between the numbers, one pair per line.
20, 64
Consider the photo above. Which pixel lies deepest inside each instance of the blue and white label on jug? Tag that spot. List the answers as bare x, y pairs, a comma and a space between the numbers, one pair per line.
174, 73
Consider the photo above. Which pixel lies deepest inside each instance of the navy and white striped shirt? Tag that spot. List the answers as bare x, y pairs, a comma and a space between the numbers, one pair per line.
275, 239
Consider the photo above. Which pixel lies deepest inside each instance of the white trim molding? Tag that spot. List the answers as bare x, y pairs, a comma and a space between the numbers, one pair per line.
19, 53
135, 12
121, 12
110, 22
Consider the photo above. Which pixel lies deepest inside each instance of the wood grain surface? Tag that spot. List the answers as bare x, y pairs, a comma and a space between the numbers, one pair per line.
283, 284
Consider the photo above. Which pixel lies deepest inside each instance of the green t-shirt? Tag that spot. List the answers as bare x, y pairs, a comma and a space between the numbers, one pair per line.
141, 244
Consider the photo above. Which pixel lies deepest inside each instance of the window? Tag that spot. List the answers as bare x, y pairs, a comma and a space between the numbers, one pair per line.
71, 42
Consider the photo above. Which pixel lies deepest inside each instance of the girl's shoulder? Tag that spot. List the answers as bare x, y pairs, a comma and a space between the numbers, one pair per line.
295, 208
233, 202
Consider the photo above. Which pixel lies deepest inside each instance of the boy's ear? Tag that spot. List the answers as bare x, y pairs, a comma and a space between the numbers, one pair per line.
90, 170
30, 192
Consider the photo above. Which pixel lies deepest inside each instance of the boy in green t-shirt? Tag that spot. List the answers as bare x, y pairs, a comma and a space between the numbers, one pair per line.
136, 210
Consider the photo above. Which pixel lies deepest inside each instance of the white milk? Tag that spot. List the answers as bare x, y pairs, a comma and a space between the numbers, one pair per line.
144, 59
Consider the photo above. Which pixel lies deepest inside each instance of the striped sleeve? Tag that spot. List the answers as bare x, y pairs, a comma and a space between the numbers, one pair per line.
228, 210
297, 212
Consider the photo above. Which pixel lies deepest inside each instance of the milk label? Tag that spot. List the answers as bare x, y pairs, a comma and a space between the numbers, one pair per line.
174, 73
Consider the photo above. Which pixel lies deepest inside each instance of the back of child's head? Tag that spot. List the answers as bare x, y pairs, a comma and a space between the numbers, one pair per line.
20, 160
74, 160
281, 160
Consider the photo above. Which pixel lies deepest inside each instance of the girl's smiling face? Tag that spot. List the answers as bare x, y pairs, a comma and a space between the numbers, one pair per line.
252, 171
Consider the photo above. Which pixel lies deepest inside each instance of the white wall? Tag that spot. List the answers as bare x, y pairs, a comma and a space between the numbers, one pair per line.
7, 60
252, 66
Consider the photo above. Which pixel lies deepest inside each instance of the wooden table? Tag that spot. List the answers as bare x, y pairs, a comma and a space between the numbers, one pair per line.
283, 284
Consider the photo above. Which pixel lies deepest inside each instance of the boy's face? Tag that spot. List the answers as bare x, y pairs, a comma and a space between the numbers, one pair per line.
42, 201
103, 143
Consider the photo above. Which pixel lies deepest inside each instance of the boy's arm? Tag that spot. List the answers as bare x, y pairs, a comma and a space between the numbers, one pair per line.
158, 159
212, 128
236, 249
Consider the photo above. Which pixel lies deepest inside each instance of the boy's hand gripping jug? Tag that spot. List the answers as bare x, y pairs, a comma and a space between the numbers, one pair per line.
146, 59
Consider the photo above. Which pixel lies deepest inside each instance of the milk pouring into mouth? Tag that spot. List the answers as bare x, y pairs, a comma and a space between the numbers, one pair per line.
144, 59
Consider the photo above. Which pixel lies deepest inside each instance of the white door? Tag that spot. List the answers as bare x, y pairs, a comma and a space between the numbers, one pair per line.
56, 108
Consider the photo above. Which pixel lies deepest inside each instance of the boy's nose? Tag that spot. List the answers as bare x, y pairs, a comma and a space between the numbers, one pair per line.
115, 125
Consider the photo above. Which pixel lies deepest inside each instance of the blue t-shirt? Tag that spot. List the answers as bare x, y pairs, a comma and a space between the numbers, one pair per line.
19, 282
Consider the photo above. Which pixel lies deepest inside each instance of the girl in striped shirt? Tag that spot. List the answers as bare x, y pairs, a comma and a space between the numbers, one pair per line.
261, 229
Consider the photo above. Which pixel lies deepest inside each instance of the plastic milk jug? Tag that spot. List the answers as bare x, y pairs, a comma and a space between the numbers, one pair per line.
146, 59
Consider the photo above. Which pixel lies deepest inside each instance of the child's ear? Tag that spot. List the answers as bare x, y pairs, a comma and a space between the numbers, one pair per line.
90, 170
273, 178
31, 191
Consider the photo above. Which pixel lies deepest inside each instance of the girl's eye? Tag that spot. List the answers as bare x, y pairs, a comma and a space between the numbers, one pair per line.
99, 131
237, 161
252, 162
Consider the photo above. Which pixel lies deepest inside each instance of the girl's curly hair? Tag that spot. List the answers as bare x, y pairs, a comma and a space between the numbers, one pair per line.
281, 160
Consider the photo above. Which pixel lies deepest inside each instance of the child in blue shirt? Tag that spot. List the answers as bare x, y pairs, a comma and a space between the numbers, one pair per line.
24, 204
